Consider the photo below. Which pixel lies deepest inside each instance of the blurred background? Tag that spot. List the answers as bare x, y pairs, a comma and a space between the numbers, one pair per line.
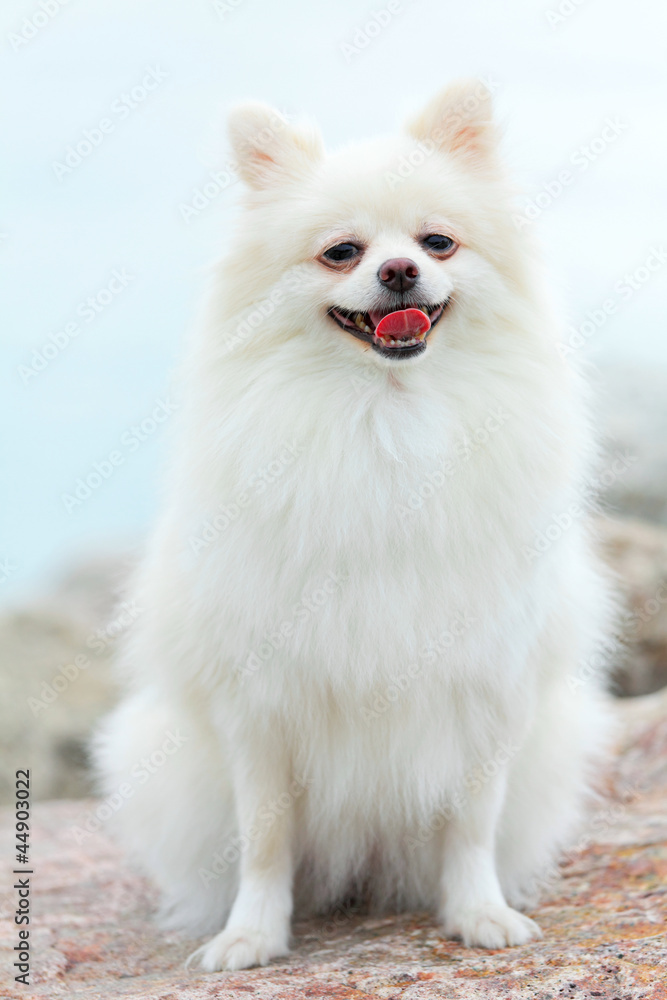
118, 195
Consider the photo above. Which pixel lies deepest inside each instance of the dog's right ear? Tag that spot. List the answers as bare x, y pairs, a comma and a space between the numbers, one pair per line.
459, 121
269, 150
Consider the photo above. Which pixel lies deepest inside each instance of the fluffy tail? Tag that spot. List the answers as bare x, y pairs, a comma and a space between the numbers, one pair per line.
166, 781
550, 785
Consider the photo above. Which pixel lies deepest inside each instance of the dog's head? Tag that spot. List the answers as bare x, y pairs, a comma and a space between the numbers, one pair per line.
376, 246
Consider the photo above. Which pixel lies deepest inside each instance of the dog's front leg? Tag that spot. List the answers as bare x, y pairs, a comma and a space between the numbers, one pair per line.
473, 905
258, 927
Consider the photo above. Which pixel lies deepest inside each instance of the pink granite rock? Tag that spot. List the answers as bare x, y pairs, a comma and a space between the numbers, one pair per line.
637, 553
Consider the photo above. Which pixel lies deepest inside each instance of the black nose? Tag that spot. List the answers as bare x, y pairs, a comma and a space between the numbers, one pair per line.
399, 274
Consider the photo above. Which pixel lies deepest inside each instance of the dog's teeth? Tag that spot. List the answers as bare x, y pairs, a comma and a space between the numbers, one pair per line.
409, 342
367, 328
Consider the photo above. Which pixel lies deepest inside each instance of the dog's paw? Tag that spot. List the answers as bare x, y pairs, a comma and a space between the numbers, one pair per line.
492, 926
237, 948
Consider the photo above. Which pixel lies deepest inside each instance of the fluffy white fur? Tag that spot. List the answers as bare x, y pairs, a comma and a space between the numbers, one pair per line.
376, 674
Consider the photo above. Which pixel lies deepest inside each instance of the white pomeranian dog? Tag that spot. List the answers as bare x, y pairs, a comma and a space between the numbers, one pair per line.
371, 598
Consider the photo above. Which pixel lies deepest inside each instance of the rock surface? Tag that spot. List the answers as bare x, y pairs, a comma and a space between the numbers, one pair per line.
603, 916
637, 554
55, 677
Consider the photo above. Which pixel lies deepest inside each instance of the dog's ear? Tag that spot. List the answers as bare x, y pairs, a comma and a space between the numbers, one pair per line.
268, 149
459, 121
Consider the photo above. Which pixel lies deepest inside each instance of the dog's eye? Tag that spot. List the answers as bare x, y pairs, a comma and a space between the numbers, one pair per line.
440, 244
342, 251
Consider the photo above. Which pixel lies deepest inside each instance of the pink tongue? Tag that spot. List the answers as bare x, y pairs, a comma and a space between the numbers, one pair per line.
401, 325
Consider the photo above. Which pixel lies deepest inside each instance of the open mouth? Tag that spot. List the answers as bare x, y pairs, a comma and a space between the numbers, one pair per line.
392, 333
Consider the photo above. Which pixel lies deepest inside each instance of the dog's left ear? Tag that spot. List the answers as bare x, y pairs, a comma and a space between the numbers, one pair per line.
269, 150
459, 121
